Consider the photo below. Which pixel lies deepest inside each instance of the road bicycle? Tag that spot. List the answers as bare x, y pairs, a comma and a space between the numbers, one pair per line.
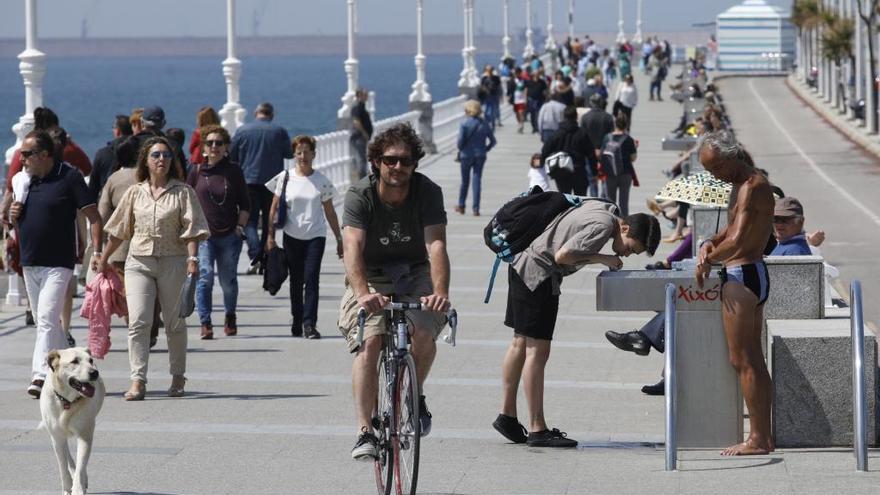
396, 421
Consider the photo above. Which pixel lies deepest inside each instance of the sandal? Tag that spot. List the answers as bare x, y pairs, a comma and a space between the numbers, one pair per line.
137, 391
177, 383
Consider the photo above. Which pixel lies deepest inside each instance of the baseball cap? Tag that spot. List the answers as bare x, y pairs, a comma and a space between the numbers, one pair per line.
154, 116
788, 207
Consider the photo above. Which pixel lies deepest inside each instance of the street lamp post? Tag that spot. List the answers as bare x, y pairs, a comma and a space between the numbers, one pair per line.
505, 41
32, 67
420, 99
232, 113
343, 115
621, 36
550, 42
637, 38
571, 19
529, 49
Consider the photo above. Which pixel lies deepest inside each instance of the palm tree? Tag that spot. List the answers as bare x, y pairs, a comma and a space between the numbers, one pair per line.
869, 18
807, 16
837, 45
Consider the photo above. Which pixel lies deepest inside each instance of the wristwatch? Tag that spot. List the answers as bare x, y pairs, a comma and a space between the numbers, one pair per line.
194, 259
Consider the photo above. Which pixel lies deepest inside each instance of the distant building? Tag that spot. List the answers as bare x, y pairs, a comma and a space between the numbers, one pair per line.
755, 36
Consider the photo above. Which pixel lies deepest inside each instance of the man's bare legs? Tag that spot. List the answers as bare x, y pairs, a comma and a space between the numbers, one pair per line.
424, 350
743, 321
537, 353
365, 381
511, 371
365, 378
526, 358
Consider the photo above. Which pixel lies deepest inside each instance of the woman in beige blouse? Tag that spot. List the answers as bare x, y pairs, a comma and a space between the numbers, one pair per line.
164, 223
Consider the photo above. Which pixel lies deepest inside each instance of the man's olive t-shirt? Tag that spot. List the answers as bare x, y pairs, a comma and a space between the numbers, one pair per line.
395, 235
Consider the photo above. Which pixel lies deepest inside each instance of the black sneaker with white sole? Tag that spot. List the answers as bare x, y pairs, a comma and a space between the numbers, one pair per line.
366, 448
550, 438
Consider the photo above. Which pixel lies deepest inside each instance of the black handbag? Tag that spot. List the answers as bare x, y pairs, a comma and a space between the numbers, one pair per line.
188, 295
281, 212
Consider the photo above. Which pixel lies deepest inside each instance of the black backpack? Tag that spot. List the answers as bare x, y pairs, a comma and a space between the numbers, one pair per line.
612, 157
520, 221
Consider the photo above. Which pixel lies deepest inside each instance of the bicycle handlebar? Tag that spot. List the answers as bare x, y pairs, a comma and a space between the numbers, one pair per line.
451, 317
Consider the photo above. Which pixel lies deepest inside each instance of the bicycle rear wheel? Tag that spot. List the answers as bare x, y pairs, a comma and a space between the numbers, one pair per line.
382, 425
407, 428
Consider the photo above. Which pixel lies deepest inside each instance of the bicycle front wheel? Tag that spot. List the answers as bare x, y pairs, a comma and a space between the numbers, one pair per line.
384, 466
408, 430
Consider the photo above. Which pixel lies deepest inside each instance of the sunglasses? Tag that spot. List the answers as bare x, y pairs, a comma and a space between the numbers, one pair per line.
391, 160
783, 219
29, 153
212, 143
161, 154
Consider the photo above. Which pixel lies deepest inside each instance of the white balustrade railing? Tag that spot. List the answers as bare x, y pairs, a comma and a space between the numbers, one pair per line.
412, 117
448, 115
332, 158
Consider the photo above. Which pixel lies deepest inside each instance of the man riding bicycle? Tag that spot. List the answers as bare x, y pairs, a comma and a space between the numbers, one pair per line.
393, 223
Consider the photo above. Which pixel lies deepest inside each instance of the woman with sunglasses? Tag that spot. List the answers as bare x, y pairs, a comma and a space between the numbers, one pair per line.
308, 198
223, 194
163, 219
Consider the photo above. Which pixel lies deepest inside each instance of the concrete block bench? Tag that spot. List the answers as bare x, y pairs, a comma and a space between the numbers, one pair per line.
811, 365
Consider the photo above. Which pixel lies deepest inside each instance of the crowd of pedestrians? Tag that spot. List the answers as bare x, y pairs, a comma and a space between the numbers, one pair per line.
158, 217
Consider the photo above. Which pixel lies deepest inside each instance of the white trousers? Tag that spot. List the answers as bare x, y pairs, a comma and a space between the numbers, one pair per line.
46, 290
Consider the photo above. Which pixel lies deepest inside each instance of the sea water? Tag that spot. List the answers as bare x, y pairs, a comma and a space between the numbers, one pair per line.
87, 93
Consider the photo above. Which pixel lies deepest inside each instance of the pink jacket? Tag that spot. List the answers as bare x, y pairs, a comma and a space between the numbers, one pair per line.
105, 296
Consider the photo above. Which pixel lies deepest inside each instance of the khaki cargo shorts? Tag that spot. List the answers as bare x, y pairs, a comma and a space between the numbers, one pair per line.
375, 324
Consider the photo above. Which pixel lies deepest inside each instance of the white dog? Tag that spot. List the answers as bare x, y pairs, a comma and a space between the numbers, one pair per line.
69, 403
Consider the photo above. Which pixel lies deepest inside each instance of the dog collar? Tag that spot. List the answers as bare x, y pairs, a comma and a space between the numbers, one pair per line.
64, 402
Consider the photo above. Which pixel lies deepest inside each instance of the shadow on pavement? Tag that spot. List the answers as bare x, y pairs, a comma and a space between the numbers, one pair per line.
162, 395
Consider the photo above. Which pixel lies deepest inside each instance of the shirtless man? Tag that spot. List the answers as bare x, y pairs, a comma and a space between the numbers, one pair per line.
745, 282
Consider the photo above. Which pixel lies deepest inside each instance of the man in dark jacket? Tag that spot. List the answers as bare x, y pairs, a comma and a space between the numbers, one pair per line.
575, 142
260, 147
597, 123
105, 158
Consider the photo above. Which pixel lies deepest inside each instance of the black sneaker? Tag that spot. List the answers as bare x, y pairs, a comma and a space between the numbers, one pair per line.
29, 318
658, 388
366, 448
296, 330
71, 342
310, 332
550, 438
424, 416
510, 428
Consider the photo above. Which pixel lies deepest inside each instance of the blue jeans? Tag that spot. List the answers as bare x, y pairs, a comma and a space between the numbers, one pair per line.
304, 262
492, 111
534, 106
261, 201
225, 251
471, 165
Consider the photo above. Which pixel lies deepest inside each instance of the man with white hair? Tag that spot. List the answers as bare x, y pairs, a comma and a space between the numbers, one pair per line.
745, 283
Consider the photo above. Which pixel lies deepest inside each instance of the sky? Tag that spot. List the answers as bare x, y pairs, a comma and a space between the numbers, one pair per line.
207, 18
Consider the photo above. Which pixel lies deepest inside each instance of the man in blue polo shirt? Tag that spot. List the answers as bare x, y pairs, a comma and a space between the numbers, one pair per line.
259, 148
46, 224
788, 227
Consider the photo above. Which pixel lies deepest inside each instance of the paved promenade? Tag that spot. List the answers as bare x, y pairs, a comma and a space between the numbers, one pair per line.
269, 414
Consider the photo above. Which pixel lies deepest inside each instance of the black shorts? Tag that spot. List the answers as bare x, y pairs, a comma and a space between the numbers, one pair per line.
531, 313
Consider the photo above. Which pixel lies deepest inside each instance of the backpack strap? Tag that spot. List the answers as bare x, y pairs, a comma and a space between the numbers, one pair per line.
492, 279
